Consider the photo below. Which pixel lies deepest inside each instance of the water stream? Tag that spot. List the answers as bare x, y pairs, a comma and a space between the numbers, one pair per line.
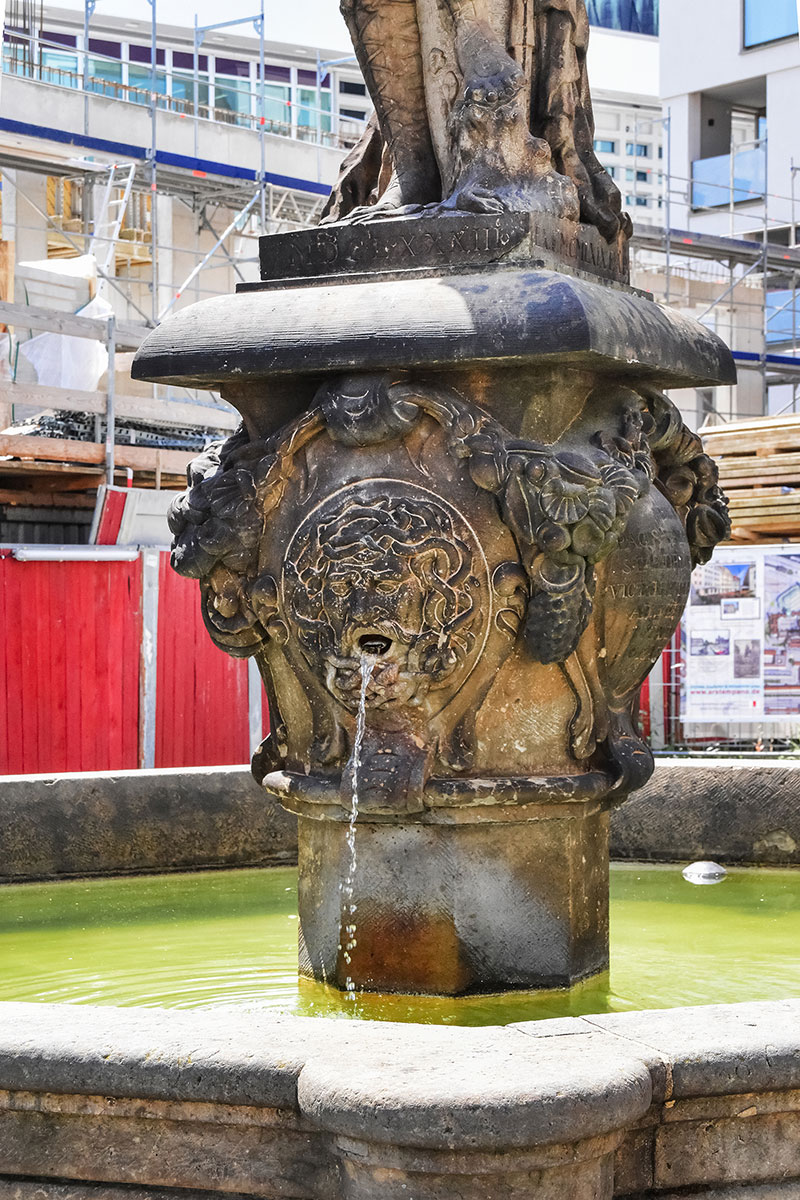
348, 917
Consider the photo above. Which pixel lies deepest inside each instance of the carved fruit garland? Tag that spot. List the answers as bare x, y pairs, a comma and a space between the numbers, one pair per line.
567, 511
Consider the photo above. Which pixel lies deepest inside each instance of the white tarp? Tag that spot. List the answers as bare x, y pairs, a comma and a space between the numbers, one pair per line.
66, 284
69, 362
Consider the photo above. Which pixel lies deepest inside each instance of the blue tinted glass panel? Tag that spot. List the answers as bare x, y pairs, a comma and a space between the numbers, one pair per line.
768, 20
711, 178
631, 16
783, 317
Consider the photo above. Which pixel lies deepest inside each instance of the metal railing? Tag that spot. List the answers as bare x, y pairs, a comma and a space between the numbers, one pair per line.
305, 129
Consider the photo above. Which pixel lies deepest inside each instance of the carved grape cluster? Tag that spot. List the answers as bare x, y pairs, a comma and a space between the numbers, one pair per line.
566, 513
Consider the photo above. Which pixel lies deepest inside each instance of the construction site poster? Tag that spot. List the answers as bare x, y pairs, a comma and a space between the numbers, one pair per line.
742, 636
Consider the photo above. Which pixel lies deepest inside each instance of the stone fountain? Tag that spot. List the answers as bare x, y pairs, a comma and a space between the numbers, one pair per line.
459, 499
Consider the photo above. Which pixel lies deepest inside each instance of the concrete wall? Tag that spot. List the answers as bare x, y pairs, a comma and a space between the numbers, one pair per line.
109, 1104
732, 810
121, 121
137, 821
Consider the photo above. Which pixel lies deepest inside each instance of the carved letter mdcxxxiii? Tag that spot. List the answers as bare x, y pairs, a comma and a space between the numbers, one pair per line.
331, 540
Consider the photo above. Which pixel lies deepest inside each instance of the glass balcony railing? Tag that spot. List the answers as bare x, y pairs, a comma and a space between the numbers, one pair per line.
711, 178
783, 317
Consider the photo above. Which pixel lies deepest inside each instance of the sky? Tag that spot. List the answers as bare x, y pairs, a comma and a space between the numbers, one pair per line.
316, 23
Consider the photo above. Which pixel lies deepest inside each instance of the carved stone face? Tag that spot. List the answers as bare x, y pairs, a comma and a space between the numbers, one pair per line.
393, 578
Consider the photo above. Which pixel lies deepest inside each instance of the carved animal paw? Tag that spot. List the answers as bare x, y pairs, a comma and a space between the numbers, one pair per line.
490, 74
475, 199
496, 89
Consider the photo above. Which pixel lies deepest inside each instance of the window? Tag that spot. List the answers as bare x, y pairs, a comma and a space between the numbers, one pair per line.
604, 146
57, 65
232, 88
630, 16
637, 149
277, 95
107, 49
348, 88
105, 73
638, 201
356, 114
705, 404
58, 39
60, 68
183, 81
309, 78
768, 21
612, 171
185, 62
140, 78
308, 116
277, 74
141, 54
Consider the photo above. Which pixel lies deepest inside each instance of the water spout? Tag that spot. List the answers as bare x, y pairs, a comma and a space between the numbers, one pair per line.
348, 921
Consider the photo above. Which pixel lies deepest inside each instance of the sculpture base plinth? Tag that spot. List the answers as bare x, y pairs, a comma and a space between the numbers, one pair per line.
457, 908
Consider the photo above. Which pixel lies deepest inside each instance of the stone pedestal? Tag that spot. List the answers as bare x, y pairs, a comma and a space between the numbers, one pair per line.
458, 907
461, 502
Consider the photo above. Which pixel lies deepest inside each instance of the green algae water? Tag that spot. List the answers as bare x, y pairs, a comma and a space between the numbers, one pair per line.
218, 939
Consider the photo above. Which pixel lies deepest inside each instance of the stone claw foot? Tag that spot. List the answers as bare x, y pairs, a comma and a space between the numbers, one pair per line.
474, 199
495, 89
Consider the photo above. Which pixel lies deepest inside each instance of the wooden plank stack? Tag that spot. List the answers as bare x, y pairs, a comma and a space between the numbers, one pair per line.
759, 468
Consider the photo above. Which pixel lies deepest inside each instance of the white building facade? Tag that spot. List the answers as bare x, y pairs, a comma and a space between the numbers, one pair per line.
730, 77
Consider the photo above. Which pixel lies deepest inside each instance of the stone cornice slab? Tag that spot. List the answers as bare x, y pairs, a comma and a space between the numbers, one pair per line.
513, 317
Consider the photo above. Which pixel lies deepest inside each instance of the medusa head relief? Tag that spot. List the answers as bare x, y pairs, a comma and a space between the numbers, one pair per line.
388, 570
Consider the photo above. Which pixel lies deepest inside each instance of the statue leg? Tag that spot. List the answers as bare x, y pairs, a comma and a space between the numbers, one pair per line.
562, 112
386, 38
497, 165
481, 42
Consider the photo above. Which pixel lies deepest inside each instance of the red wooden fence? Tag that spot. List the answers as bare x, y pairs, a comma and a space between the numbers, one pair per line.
73, 683
201, 693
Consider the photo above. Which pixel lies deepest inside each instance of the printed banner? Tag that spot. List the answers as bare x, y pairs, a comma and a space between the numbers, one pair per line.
742, 636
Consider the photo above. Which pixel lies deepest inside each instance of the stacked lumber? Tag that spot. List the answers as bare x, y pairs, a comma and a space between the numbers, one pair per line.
759, 469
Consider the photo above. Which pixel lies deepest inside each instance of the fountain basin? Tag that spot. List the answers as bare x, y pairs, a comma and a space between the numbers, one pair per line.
245, 1095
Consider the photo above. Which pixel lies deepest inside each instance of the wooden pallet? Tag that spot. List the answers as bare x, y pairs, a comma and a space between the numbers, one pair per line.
759, 469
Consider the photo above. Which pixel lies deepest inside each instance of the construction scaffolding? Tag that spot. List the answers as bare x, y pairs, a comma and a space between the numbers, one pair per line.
744, 285
246, 201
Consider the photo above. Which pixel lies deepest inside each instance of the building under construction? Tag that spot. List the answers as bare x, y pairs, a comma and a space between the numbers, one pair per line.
141, 161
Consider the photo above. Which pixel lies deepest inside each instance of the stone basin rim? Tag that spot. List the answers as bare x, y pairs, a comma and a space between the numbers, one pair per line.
527, 1084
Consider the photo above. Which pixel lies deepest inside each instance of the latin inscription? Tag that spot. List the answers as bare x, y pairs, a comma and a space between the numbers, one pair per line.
431, 242
651, 574
390, 245
646, 578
